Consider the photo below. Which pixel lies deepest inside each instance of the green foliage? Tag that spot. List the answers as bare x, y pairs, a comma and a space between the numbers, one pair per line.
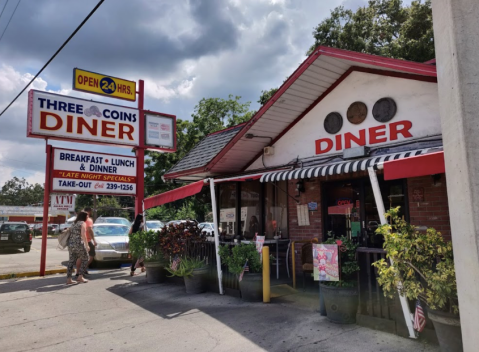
145, 244
110, 206
266, 95
383, 27
180, 239
422, 264
186, 267
19, 192
236, 258
348, 262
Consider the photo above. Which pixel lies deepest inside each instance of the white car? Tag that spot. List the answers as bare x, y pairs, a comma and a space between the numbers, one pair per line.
112, 242
154, 225
207, 227
112, 220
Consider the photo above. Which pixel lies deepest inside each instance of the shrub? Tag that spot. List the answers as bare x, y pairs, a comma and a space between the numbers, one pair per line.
347, 260
236, 258
422, 265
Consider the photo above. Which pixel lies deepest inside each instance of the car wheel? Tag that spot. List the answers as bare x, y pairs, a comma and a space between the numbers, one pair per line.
26, 249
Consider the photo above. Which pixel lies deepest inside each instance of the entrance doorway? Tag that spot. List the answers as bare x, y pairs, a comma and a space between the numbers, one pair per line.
349, 208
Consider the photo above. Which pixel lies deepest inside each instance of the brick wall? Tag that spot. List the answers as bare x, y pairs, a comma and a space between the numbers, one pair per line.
434, 210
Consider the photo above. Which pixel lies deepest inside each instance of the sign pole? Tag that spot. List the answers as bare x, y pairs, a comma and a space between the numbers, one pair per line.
46, 200
140, 152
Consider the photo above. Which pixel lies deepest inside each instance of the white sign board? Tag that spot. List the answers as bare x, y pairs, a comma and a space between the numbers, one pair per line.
228, 215
79, 171
66, 118
62, 203
160, 131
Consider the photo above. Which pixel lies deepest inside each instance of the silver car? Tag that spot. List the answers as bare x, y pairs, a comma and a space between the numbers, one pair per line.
154, 225
112, 242
112, 220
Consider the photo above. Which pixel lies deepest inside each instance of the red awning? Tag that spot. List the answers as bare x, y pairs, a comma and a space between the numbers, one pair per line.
421, 165
175, 194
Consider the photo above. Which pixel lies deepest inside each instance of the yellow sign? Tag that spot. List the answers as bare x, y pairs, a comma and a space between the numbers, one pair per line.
96, 83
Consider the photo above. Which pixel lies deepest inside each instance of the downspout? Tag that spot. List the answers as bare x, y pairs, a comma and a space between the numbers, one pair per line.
408, 317
217, 237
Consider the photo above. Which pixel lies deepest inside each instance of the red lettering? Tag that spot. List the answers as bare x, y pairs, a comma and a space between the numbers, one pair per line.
377, 134
43, 121
128, 90
121, 131
82, 123
349, 137
401, 127
95, 82
105, 129
69, 124
319, 148
339, 142
79, 79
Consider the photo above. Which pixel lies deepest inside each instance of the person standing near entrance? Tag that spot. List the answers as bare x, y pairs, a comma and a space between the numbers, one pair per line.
78, 248
90, 239
137, 226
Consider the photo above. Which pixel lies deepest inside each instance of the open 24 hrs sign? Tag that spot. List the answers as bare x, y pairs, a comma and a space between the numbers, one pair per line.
96, 83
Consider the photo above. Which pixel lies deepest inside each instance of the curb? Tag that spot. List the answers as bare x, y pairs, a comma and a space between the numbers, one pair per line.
32, 273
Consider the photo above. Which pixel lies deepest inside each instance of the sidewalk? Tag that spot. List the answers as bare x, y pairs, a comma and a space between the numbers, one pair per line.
116, 312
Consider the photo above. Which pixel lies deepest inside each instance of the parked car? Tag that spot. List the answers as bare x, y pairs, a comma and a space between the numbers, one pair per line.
154, 225
112, 242
15, 235
177, 222
112, 220
208, 228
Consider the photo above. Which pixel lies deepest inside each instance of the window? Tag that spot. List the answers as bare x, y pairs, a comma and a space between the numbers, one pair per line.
276, 210
250, 209
227, 206
3, 218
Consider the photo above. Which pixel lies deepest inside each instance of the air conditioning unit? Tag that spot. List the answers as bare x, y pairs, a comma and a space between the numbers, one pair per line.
268, 150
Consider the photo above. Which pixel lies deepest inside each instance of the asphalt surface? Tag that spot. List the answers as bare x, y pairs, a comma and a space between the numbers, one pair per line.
17, 261
116, 312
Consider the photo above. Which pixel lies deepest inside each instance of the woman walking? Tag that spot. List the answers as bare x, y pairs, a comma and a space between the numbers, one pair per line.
78, 248
137, 226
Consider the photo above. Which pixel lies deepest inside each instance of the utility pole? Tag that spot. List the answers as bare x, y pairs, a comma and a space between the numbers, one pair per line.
456, 34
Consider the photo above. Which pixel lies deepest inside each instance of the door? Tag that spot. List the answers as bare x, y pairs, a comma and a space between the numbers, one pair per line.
350, 208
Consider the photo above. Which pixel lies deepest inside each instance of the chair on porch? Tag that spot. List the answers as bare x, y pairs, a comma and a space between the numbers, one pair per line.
307, 261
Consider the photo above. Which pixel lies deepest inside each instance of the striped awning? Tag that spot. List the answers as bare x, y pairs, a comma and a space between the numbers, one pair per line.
338, 168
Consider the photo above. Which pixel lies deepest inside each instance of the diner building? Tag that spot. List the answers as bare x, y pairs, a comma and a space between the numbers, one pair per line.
304, 166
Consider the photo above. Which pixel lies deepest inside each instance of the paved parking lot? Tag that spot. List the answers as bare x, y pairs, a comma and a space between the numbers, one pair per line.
116, 312
17, 261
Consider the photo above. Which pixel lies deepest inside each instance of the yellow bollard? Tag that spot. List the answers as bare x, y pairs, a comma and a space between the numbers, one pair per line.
266, 276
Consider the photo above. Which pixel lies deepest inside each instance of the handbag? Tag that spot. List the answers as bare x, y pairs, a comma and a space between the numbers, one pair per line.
63, 238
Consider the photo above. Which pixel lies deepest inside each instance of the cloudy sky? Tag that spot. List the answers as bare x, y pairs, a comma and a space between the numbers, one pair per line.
184, 50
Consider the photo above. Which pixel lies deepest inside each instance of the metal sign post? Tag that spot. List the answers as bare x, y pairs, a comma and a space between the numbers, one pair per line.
217, 237
46, 201
140, 152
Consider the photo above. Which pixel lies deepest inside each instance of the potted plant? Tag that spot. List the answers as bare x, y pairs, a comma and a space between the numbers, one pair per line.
182, 244
251, 285
341, 298
422, 267
192, 270
144, 244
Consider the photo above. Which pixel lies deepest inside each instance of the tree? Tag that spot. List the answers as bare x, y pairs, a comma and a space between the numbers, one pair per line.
210, 115
266, 95
383, 27
18, 191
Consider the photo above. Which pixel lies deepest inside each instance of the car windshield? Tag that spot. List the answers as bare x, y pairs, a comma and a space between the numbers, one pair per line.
154, 224
114, 221
14, 227
105, 230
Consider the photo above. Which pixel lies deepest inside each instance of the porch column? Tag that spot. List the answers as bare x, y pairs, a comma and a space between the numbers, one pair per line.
456, 35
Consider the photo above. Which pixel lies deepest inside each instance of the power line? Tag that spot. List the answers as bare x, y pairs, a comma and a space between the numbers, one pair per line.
54, 55
6, 2
13, 13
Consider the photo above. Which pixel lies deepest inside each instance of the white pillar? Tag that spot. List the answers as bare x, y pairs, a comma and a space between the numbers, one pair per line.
456, 33
217, 237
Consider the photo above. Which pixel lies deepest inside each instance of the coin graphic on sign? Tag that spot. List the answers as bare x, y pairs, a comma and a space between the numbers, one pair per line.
357, 112
333, 122
107, 85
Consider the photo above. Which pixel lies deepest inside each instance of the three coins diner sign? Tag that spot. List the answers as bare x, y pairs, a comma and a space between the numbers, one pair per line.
68, 171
